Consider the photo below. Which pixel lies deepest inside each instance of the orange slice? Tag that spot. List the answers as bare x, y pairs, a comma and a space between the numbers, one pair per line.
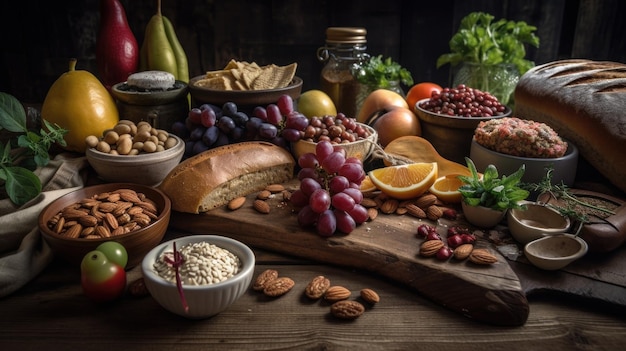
446, 188
367, 185
405, 181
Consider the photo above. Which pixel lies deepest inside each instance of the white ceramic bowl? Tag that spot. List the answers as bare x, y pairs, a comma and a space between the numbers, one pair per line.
564, 168
203, 300
554, 252
535, 221
361, 149
146, 169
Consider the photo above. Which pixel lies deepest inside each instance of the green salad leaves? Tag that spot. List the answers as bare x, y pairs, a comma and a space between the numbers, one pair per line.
480, 40
379, 72
30, 150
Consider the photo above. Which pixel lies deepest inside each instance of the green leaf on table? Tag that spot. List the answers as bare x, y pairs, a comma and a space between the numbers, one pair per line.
12, 114
21, 184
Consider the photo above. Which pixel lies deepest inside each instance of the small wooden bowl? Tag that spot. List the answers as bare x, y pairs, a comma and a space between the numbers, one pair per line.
137, 243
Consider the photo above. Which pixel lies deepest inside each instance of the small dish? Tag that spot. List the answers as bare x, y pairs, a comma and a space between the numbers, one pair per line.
203, 300
554, 252
535, 221
147, 169
361, 149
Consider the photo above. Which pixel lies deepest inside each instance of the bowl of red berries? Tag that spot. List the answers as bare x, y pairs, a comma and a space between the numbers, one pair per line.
449, 119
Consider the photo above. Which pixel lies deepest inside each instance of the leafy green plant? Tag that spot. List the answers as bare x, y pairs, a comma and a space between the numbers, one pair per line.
381, 72
21, 156
480, 40
491, 191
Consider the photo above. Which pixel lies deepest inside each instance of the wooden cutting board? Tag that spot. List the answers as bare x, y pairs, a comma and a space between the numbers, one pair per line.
388, 246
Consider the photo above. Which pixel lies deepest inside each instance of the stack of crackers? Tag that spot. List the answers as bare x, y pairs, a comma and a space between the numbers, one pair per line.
241, 75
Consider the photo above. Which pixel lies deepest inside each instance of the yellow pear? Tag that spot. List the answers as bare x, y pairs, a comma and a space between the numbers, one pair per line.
79, 102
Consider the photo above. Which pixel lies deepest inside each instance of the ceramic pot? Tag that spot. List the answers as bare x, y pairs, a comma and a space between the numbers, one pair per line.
483, 217
555, 251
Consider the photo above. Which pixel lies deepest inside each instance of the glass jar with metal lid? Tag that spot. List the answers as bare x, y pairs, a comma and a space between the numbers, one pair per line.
344, 51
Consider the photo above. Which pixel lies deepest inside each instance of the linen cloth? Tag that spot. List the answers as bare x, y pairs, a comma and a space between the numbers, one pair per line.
23, 252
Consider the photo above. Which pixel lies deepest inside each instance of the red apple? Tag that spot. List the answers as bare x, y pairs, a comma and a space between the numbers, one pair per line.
377, 100
395, 122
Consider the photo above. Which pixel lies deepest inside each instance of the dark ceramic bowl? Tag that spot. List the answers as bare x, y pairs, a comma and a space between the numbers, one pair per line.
450, 135
245, 99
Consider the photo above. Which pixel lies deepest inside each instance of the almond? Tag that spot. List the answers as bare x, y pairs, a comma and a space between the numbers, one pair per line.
337, 293
264, 278
370, 296
261, 206
415, 211
74, 231
264, 195
372, 213
434, 212
368, 202
317, 287
236, 203
482, 256
107, 207
111, 221
130, 196
389, 206
279, 286
88, 221
429, 248
275, 188
347, 309
102, 231
463, 251
401, 210
425, 200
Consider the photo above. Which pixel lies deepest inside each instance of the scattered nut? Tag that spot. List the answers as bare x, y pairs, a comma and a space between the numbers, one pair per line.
279, 287
236, 203
429, 248
482, 256
264, 278
370, 296
317, 287
463, 251
261, 206
347, 309
337, 293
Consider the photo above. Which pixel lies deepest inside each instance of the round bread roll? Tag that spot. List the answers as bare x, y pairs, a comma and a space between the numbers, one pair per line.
584, 102
216, 176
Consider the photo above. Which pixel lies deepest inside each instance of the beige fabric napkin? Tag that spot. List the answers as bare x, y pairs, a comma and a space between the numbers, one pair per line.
23, 252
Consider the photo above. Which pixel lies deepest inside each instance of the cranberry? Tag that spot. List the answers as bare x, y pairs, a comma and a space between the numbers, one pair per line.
444, 253
433, 236
424, 229
455, 241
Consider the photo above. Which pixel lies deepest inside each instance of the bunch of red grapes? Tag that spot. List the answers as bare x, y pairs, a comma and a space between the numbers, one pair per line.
209, 126
329, 197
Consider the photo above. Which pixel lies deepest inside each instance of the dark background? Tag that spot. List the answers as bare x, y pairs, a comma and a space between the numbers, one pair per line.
38, 37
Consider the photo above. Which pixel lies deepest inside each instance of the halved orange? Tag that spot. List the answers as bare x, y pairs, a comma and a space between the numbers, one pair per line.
367, 185
405, 181
446, 188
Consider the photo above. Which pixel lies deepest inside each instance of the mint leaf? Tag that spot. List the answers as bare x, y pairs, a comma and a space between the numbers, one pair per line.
21, 184
12, 114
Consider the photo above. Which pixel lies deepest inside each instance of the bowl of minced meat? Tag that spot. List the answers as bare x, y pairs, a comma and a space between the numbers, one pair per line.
509, 142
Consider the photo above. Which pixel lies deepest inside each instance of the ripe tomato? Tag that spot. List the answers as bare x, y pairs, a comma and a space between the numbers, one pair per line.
101, 279
421, 91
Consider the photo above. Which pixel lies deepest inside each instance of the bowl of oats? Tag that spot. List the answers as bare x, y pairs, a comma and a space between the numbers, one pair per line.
509, 142
198, 276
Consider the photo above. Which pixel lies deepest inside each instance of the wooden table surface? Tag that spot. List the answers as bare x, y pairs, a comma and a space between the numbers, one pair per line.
52, 313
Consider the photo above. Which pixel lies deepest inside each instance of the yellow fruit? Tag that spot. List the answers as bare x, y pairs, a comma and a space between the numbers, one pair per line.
446, 188
367, 185
316, 103
78, 102
405, 181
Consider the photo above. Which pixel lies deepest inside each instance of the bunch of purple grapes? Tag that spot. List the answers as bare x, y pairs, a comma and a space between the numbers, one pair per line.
329, 197
209, 126
278, 123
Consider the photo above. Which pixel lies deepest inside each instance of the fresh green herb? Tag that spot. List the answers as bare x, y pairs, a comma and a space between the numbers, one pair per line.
379, 72
480, 40
568, 204
491, 191
18, 163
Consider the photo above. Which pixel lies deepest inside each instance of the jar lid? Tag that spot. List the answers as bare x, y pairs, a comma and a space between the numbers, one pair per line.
346, 35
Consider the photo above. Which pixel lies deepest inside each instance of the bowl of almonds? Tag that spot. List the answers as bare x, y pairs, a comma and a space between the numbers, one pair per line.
134, 153
198, 276
134, 215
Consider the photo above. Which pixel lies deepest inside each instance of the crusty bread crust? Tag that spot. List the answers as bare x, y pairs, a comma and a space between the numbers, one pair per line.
585, 102
214, 177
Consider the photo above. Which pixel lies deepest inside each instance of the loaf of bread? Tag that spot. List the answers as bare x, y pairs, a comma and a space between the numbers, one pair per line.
584, 101
214, 177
